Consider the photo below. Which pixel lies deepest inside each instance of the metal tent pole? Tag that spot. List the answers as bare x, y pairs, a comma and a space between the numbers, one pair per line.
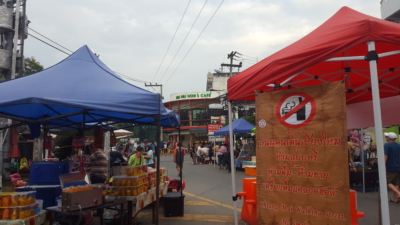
379, 136
232, 163
362, 161
215, 156
158, 171
180, 157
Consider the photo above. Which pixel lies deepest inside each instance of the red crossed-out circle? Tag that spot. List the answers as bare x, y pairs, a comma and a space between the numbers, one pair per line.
308, 99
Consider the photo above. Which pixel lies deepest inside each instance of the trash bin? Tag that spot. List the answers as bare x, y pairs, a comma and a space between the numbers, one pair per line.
173, 204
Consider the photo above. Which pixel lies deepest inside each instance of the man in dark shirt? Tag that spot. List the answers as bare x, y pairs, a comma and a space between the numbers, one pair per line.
114, 155
392, 159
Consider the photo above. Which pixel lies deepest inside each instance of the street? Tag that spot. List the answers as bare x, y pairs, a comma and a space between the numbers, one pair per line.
208, 197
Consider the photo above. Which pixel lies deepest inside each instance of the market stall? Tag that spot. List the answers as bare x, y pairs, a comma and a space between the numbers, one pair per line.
247, 151
21, 209
346, 47
81, 89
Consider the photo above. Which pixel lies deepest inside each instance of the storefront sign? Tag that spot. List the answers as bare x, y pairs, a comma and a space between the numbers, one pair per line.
217, 138
302, 165
196, 95
214, 127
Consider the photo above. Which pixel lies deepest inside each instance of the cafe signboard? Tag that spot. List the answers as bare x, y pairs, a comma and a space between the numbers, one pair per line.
302, 165
196, 95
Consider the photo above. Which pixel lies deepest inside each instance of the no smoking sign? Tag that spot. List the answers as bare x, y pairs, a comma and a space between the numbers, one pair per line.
295, 110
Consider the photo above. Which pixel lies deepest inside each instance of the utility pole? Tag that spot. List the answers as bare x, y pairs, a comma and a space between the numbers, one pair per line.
155, 85
13, 25
231, 65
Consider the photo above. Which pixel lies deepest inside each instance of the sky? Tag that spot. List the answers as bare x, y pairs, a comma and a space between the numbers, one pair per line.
132, 37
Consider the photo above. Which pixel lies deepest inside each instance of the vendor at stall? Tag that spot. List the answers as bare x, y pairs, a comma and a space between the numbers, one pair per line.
149, 158
98, 165
137, 159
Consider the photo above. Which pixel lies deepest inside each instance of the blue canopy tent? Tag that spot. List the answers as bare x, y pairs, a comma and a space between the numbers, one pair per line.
82, 89
240, 126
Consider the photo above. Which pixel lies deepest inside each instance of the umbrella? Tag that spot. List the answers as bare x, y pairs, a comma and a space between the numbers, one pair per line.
14, 150
122, 132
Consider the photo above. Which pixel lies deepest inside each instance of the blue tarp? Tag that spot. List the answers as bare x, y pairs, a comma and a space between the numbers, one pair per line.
239, 126
81, 88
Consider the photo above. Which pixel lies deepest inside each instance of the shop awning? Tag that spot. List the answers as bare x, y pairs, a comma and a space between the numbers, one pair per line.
303, 63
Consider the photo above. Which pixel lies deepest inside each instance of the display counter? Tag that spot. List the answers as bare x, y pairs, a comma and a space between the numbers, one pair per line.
36, 219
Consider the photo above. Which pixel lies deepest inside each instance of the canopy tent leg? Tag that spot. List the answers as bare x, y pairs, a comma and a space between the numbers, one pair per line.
158, 170
232, 162
215, 156
362, 159
181, 158
379, 136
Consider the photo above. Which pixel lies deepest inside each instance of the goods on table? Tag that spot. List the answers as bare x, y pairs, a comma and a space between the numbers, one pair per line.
139, 179
73, 189
15, 206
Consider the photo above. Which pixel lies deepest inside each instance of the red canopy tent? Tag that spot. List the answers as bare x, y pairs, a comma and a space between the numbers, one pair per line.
363, 49
303, 63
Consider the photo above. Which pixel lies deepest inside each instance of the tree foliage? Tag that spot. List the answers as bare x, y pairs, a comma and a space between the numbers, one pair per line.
141, 131
65, 149
32, 66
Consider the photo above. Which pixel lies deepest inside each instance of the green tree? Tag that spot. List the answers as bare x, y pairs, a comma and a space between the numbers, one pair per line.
32, 66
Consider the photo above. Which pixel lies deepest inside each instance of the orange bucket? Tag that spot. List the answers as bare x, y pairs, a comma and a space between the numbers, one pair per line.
250, 171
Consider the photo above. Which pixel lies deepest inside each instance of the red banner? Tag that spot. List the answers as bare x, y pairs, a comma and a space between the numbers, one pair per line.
214, 127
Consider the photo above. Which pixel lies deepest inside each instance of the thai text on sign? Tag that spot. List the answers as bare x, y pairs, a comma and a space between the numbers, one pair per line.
302, 164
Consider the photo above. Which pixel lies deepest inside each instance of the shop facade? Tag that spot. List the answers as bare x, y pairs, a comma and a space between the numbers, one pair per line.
195, 114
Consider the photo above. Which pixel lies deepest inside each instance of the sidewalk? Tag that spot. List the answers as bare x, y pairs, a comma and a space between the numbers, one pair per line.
196, 211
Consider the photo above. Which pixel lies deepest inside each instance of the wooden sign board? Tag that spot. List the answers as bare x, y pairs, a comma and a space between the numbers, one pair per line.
302, 158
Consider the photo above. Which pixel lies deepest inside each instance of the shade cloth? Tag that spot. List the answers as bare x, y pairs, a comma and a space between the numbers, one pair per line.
344, 34
239, 126
81, 88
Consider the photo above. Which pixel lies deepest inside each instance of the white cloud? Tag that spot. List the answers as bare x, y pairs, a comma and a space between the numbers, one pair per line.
132, 36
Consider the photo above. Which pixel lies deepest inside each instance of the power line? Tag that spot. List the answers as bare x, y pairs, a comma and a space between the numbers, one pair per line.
49, 44
121, 75
171, 41
248, 56
183, 41
129, 78
195, 41
49, 39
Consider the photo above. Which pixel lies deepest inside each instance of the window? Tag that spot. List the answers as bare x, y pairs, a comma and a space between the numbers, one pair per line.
199, 116
184, 114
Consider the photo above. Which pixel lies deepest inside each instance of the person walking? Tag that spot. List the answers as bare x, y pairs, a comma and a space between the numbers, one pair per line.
227, 156
210, 154
221, 159
179, 153
193, 154
392, 160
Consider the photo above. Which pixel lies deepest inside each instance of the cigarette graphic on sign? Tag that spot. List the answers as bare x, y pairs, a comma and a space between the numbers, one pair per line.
295, 110
300, 114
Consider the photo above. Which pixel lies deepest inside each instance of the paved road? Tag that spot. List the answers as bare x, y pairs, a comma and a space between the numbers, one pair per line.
209, 197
